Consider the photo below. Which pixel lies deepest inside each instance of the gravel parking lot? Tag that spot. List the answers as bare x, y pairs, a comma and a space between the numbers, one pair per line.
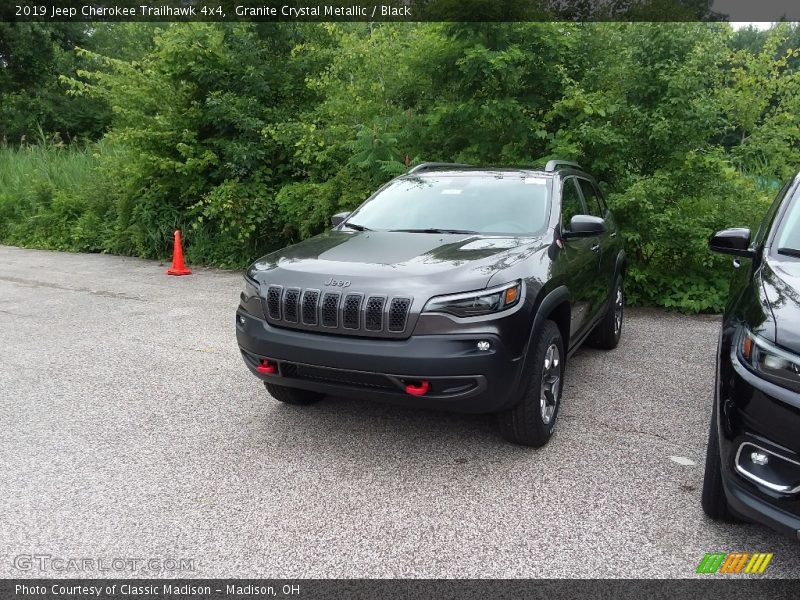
129, 427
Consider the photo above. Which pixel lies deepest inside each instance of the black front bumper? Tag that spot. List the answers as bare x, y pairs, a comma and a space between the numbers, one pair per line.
754, 414
461, 378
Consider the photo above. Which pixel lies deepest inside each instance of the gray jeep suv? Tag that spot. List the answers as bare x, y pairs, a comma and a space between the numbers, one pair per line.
451, 287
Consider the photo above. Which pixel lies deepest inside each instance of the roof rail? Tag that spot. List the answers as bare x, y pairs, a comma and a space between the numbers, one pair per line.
553, 165
432, 166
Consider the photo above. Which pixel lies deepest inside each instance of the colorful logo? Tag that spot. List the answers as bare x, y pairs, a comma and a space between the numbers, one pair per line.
734, 563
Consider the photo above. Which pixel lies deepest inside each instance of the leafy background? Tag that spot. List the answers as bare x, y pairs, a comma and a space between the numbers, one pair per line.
248, 136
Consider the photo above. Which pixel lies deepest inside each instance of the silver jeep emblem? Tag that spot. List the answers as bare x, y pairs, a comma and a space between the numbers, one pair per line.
338, 282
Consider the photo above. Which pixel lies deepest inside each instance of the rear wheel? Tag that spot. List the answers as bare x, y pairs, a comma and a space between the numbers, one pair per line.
532, 420
608, 331
293, 396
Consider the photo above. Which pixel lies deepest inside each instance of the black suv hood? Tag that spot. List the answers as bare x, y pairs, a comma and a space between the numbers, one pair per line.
394, 262
781, 281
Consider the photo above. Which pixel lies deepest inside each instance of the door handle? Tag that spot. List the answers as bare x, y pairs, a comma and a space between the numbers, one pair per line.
596, 248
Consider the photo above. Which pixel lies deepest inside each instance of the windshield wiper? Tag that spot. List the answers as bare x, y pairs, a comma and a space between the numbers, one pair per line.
789, 252
433, 230
357, 227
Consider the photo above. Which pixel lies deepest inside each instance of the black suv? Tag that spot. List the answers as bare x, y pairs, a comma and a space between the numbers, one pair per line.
753, 457
451, 287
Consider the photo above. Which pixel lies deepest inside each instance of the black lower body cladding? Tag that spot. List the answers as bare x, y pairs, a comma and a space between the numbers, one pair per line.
456, 374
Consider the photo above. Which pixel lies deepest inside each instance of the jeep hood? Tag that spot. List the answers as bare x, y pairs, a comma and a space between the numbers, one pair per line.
781, 282
384, 262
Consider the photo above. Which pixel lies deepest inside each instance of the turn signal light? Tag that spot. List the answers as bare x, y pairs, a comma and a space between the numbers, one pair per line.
511, 296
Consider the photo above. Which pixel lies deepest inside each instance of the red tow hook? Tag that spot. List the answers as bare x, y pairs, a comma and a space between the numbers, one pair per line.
266, 367
418, 390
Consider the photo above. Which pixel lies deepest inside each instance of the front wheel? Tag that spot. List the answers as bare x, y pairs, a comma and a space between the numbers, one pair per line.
532, 420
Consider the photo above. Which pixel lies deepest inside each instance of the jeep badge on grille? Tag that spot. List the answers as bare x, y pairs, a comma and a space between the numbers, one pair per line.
338, 282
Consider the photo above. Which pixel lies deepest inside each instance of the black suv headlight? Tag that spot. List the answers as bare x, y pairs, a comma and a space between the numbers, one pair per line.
771, 362
473, 304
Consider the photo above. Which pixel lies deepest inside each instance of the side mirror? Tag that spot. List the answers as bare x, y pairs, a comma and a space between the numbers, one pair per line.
585, 226
339, 218
734, 241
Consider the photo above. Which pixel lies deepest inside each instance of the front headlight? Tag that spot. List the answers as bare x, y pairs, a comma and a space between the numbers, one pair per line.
773, 363
473, 304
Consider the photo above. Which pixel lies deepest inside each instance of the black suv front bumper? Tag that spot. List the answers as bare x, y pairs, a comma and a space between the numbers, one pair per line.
460, 377
755, 414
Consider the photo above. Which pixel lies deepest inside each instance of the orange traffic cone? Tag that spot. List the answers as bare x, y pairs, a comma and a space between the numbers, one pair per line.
178, 268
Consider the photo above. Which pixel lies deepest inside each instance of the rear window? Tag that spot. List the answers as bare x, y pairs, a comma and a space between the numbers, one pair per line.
506, 204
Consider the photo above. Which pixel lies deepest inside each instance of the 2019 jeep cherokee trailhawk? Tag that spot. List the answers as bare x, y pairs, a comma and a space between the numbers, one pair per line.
451, 287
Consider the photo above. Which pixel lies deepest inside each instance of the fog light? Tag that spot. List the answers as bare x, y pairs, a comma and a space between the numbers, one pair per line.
240, 318
484, 345
767, 468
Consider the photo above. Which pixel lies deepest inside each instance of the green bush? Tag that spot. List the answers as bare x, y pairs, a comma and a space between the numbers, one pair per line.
249, 136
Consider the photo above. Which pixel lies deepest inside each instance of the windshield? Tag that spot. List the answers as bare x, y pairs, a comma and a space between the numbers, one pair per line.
500, 203
789, 234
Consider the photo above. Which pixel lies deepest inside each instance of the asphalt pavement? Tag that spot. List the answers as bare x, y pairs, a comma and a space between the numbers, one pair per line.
131, 429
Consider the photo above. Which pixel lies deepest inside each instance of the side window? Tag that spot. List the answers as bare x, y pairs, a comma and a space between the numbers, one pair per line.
766, 222
571, 203
593, 202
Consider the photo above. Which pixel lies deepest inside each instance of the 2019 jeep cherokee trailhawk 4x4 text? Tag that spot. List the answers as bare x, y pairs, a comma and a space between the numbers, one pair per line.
451, 287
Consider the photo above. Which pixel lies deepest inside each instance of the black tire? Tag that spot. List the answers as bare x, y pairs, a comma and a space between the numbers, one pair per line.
608, 331
293, 396
525, 422
714, 501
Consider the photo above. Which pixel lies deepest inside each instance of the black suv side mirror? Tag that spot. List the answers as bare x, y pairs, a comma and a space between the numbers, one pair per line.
339, 218
735, 241
585, 226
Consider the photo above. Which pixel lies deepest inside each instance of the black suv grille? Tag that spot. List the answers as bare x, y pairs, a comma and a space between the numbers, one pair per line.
290, 301
274, 301
310, 298
374, 316
330, 309
398, 311
353, 313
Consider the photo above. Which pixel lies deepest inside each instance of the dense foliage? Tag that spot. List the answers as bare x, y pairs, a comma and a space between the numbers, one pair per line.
249, 136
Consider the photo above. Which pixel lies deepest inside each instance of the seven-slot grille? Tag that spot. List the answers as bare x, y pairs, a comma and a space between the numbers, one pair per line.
330, 309
352, 312
374, 316
310, 299
398, 311
290, 300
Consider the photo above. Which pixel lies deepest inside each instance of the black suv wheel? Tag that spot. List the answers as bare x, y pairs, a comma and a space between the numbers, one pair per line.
532, 421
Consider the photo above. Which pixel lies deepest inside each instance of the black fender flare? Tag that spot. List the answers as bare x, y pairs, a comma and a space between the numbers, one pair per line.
543, 310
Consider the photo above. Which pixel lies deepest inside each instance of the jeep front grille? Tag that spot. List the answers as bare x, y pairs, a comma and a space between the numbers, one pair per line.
290, 301
398, 311
274, 301
374, 316
310, 299
330, 309
336, 312
351, 312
